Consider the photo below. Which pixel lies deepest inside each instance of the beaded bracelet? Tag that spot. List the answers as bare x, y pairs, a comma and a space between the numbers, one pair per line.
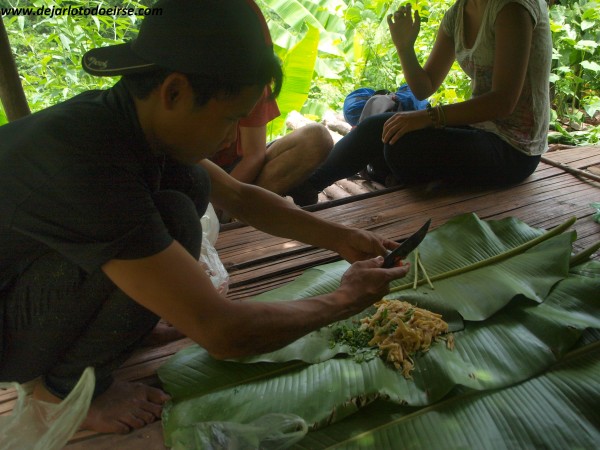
437, 116
432, 116
442, 115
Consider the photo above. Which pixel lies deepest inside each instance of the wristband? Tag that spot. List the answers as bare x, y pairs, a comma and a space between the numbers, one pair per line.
437, 116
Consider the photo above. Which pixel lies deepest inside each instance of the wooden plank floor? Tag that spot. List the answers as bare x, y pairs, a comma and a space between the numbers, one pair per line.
258, 262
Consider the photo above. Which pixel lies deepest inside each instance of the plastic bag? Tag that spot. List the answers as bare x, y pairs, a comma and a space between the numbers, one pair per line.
596, 216
209, 256
269, 432
38, 425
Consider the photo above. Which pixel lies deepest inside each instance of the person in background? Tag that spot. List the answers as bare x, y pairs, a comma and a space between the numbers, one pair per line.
494, 138
282, 165
99, 215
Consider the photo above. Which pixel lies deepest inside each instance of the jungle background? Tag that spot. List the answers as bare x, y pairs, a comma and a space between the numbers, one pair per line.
328, 48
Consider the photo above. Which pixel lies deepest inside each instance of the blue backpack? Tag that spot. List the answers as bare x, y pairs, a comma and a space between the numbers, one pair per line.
356, 108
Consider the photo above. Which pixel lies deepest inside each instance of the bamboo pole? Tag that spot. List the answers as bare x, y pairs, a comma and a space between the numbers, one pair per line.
571, 170
12, 95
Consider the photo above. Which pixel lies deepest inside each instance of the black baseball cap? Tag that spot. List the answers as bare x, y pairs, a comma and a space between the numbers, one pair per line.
227, 39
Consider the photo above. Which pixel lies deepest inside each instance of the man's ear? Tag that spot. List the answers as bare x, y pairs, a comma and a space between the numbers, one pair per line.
173, 90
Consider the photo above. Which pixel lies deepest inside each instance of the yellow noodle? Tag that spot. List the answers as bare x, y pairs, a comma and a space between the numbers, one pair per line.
400, 330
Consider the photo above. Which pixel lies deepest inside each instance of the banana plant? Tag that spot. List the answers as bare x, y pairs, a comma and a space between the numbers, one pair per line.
501, 342
298, 68
301, 30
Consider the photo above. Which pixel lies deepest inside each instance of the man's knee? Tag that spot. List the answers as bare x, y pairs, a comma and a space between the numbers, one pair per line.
192, 180
317, 142
313, 144
179, 214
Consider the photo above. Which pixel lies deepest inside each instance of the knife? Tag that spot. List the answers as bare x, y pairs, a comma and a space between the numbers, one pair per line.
399, 253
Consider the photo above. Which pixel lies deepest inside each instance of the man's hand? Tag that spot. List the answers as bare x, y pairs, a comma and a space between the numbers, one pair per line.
357, 245
366, 282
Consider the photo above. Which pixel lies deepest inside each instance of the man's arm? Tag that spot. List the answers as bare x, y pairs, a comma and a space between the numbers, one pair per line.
173, 285
253, 141
274, 215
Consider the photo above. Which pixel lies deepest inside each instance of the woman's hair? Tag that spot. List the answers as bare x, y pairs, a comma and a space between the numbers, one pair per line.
142, 84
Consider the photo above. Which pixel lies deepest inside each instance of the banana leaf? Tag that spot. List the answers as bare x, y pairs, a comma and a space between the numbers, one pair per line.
521, 340
484, 281
470, 247
513, 345
298, 69
555, 410
294, 14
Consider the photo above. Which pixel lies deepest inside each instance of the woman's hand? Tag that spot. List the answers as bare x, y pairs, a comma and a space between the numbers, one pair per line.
403, 28
404, 122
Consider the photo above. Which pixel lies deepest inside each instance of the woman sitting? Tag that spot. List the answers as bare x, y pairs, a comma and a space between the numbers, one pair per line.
494, 138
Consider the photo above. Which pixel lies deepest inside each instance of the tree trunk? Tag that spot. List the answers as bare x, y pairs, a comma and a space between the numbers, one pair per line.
11, 91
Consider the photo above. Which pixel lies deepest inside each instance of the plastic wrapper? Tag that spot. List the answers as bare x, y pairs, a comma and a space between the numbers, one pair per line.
37, 425
209, 256
269, 432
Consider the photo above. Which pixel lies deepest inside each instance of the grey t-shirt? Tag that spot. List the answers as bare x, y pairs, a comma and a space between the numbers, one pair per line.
526, 128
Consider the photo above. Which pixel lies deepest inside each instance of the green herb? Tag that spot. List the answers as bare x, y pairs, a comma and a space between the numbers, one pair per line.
357, 341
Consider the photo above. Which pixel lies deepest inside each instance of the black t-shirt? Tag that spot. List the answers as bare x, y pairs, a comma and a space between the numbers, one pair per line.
78, 178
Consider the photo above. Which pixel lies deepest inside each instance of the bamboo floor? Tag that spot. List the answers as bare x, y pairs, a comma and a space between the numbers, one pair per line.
258, 262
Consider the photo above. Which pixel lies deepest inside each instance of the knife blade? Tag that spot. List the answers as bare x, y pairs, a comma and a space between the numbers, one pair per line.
399, 253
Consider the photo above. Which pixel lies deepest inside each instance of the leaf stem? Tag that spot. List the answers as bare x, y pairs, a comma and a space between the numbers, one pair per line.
497, 258
422, 266
416, 265
584, 255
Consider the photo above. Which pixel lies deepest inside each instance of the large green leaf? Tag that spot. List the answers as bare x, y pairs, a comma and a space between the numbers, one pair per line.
3, 118
465, 244
519, 341
298, 68
294, 14
555, 410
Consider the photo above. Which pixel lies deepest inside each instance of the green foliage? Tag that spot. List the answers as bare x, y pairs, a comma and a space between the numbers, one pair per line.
521, 316
354, 50
357, 52
298, 66
3, 118
576, 32
48, 50
576, 67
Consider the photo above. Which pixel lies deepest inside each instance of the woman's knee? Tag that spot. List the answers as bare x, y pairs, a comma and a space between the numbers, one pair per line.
405, 160
373, 126
367, 136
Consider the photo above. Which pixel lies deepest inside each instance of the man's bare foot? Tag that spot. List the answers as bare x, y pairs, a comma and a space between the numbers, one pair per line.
123, 407
163, 333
